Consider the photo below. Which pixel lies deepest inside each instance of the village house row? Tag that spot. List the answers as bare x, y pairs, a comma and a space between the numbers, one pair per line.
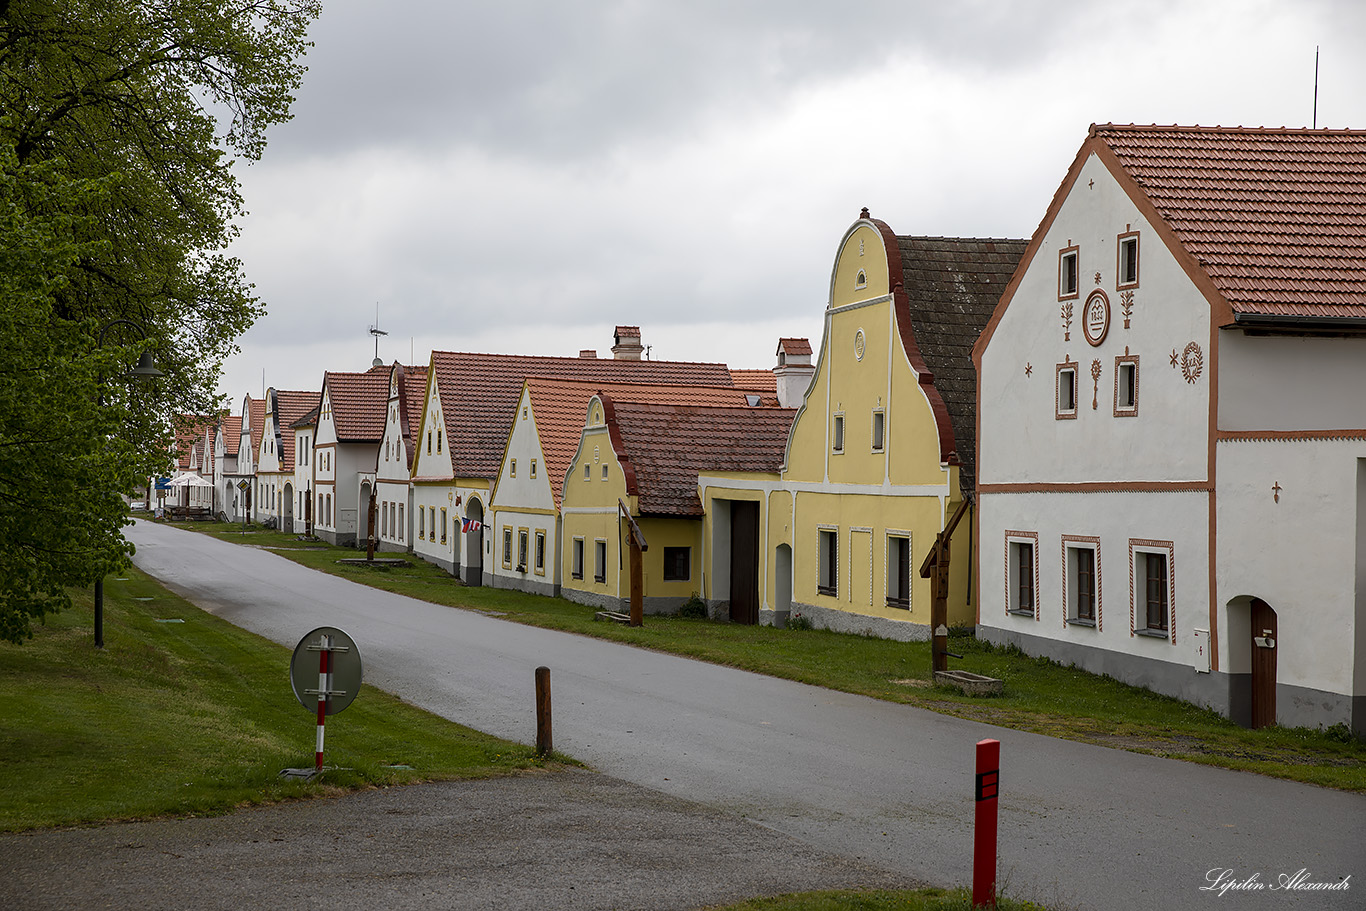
1151, 413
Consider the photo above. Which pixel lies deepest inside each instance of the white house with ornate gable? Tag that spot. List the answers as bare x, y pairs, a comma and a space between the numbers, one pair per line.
350, 429
278, 500
394, 460
1172, 435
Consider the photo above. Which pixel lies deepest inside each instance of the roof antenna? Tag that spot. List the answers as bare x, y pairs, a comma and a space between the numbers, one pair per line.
1316, 87
376, 331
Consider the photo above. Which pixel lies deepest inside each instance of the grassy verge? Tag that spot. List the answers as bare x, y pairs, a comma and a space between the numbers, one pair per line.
1040, 696
192, 716
913, 900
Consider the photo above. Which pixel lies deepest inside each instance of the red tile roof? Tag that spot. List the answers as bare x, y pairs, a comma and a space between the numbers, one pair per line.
560, 408
232, 435
665, 447
290, 406
479, 394
794, 346
1275, 217
256, 410
189, 432
414, 391
627, 332
360, 402
761, 380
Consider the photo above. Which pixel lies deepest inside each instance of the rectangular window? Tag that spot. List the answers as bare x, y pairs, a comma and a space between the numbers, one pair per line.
438, 440
533, 468
604, 472
677, 562
1126, 386
540, 553
586, 470
827, 562
1081, 580
879, 422
431, 521
521, 550
1068, 286
384, 519
839, 433
507, 547
1022, 573
1128, 261
400, 521
600, 561
576, 562
443, 525
514, 468
422, 523
429, 442
1155, 576
1065, 405
898, 571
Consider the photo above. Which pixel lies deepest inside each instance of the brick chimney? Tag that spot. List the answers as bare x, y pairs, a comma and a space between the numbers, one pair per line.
794, 371
626, 343
588, 354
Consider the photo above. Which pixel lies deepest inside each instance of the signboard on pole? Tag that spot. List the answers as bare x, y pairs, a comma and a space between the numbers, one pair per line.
325, 673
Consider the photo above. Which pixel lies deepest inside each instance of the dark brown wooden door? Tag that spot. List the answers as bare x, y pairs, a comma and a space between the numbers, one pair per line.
1264, 645
744, 562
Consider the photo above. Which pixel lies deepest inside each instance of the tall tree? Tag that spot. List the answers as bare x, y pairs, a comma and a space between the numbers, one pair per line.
120, 121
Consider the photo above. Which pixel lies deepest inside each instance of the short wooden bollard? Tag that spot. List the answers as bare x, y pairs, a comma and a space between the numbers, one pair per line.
544, 743
984, 840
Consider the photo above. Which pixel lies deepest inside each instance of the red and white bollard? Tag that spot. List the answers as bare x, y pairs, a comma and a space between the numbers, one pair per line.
324, 690
984, 837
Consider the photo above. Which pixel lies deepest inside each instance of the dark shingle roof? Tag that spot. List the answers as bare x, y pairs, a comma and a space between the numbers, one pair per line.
667, 446
360, 402
290, 406
1275, 217
953, 284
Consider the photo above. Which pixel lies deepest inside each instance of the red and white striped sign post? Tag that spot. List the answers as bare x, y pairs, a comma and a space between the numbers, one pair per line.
984, 837
338, 669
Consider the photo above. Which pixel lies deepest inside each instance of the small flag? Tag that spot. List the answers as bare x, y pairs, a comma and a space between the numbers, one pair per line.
468, 525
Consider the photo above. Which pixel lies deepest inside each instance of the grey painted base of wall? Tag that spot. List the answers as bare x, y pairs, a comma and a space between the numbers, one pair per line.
650, 606
860, 624
530, 584
335, 539
1228, 694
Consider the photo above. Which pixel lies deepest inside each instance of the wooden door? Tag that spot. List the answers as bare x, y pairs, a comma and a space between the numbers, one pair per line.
744, 562
1265, 642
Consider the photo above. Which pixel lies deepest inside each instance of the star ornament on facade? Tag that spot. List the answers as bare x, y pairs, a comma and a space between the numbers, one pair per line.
1029, 369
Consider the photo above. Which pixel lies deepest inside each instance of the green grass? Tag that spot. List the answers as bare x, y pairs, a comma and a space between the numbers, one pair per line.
1040, 695
895, 900
193, 717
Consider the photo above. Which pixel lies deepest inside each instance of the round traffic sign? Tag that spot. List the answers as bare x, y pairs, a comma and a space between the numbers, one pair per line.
343, 678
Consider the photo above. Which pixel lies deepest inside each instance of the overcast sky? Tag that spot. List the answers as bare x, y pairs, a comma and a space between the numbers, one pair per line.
521, 177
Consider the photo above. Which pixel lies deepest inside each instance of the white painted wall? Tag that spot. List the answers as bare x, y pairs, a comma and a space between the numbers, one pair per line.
1279, 383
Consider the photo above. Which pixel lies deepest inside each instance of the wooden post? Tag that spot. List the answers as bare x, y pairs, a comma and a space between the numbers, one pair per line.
544, 743
936, 569
638, 546
370, 527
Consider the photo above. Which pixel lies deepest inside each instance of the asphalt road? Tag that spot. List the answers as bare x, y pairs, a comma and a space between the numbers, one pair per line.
882, 784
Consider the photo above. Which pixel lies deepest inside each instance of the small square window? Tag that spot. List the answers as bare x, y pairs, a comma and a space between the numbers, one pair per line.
839, 433
1065, 404
677, 564
1126, 386
1068, 285
879, 423
576, 563
827, 562
1128, 261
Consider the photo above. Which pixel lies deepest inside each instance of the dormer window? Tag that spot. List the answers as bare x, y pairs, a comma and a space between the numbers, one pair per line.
1067, 273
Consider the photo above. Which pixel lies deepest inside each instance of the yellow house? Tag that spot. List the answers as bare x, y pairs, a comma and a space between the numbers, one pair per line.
641, 459
880, 453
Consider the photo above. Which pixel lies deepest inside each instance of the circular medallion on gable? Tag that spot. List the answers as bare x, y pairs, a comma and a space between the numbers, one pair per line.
860, 345
1095, 317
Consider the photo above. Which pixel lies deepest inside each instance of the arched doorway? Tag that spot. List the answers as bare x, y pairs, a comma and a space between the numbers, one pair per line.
363, 532
474, 543
287, 523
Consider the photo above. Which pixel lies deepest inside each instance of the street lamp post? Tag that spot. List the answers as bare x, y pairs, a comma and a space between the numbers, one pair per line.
146, 369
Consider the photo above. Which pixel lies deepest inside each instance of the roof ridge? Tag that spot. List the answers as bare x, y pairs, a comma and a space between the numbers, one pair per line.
1217, 128
571, 358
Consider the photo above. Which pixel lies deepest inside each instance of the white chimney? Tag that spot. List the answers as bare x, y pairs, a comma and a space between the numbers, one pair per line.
794, 371
626, 343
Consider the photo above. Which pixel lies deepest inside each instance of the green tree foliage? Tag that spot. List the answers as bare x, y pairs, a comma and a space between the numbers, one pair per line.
120, 121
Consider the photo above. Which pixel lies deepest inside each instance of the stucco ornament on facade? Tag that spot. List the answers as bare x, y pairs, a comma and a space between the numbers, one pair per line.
1192, 362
